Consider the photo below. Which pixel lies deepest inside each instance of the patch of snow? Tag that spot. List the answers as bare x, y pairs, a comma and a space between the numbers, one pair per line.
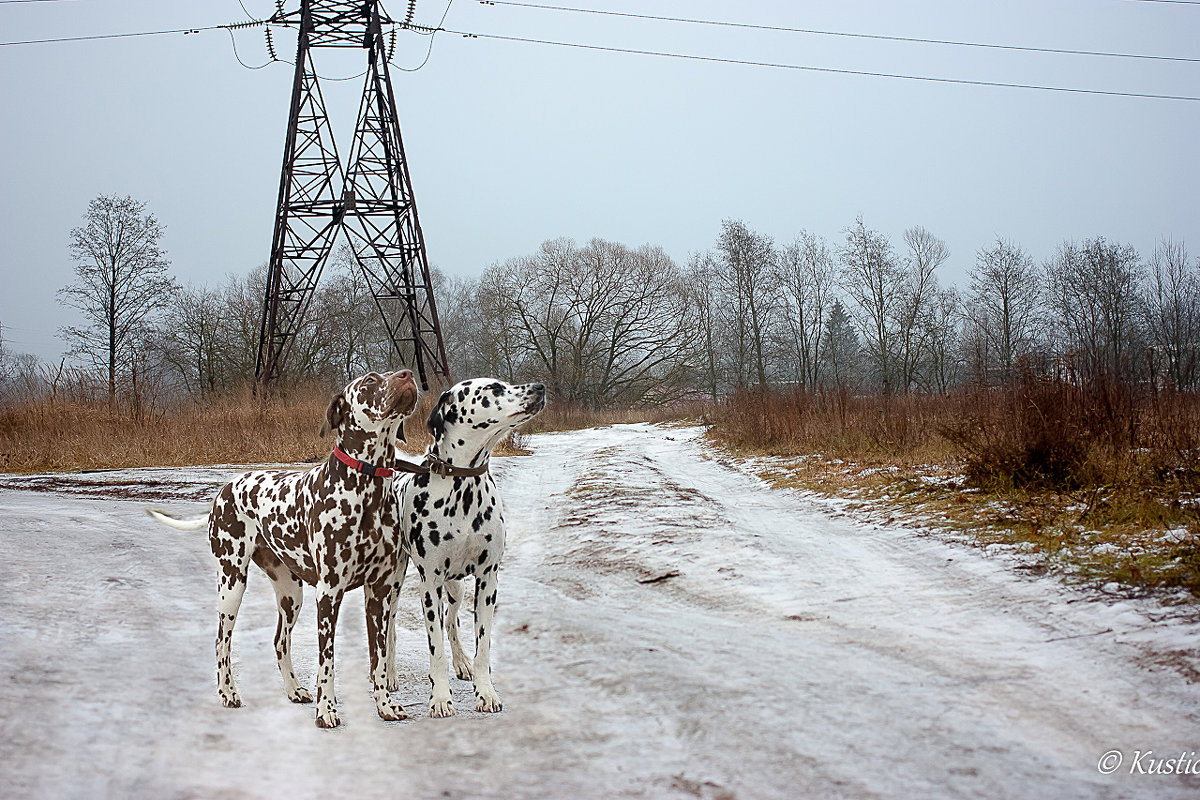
795, 653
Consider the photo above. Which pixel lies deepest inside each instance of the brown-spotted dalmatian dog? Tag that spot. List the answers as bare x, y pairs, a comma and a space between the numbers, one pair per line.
453, 526
332, 527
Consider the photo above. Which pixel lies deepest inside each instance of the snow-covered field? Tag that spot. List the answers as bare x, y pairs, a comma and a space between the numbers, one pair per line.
795, 654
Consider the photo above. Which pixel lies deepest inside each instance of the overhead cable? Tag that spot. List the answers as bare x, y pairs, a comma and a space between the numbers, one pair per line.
831, 70
845, 34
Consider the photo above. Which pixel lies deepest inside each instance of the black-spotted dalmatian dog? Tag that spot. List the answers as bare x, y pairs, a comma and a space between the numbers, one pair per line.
452, 524
332, 527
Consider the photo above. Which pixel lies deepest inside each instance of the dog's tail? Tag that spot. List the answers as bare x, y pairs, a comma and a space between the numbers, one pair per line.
179, 524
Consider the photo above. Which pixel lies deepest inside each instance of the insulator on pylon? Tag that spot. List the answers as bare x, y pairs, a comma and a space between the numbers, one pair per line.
391, 44
279, 6
271, 45
412, 7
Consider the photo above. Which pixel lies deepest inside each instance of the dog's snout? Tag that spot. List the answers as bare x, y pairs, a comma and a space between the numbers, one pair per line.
540, 388
402, 391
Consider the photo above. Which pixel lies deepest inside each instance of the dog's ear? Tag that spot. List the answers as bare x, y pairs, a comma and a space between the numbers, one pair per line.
436, 420
335, 415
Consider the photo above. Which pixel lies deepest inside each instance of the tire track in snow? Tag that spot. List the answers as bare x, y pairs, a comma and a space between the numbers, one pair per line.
940, 660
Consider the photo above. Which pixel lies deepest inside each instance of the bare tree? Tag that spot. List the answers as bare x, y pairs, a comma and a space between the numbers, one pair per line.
941, 335
875, 282
647, 332
926, 253
121, 281
189, 339
804, 272
242, 303
1006, 302
1173, 312
527, 300
700, 282
357, 336
1094, 295
746, 258
472, 348
6, 365
600, 324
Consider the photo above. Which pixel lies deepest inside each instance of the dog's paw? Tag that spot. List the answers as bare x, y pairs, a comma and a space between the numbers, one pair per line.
487, 700
327, 717
300, 695
441, 707
463, 669
389, 711
230, 699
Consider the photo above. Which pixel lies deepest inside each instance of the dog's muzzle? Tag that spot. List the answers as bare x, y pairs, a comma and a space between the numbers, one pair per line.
402, 392
538, 403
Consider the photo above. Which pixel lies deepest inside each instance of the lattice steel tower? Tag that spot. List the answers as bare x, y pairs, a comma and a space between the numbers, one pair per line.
373, 200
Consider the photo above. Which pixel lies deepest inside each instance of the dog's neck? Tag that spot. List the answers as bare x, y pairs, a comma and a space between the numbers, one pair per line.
468, 454
373, 447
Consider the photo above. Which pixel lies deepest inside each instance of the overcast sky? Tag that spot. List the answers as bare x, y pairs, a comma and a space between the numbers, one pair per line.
511, 144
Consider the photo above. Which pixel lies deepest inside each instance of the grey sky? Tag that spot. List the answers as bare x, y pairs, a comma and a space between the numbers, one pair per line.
511, 144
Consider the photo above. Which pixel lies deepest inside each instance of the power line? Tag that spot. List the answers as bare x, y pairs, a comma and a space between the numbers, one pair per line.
230, 28
233, 41
845, 34
432, 32
94, 37
832, 70
656, 53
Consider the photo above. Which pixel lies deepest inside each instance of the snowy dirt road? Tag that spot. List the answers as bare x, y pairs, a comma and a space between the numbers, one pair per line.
795, 654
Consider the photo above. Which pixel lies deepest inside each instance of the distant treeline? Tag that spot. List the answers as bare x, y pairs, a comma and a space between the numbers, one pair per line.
606, 325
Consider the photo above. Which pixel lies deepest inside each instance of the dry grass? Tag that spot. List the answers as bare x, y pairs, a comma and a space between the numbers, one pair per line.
49, 435
873, 428
562, 416
1100, 483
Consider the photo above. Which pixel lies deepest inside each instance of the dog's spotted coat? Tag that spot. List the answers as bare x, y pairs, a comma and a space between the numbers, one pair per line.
453, 527
331, 527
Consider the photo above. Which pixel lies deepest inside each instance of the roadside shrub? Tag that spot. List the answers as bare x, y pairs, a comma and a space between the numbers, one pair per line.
1034, 434
836, 423
1049, 433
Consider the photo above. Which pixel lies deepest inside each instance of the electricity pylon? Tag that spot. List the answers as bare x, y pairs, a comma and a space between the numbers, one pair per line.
373, 201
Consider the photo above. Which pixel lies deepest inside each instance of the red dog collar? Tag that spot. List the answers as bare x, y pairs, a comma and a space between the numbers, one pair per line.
362, 466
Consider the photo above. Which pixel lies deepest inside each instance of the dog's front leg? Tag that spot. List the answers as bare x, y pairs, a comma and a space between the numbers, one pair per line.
329, 600
440, 704
486, 698
379, 607
393, 681
458, 656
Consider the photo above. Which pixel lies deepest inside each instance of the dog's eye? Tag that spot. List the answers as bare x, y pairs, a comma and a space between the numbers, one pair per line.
370, 380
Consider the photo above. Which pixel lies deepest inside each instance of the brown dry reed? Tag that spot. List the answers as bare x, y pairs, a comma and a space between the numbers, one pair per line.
838, 424
73, 431
53, 434
1039, 433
